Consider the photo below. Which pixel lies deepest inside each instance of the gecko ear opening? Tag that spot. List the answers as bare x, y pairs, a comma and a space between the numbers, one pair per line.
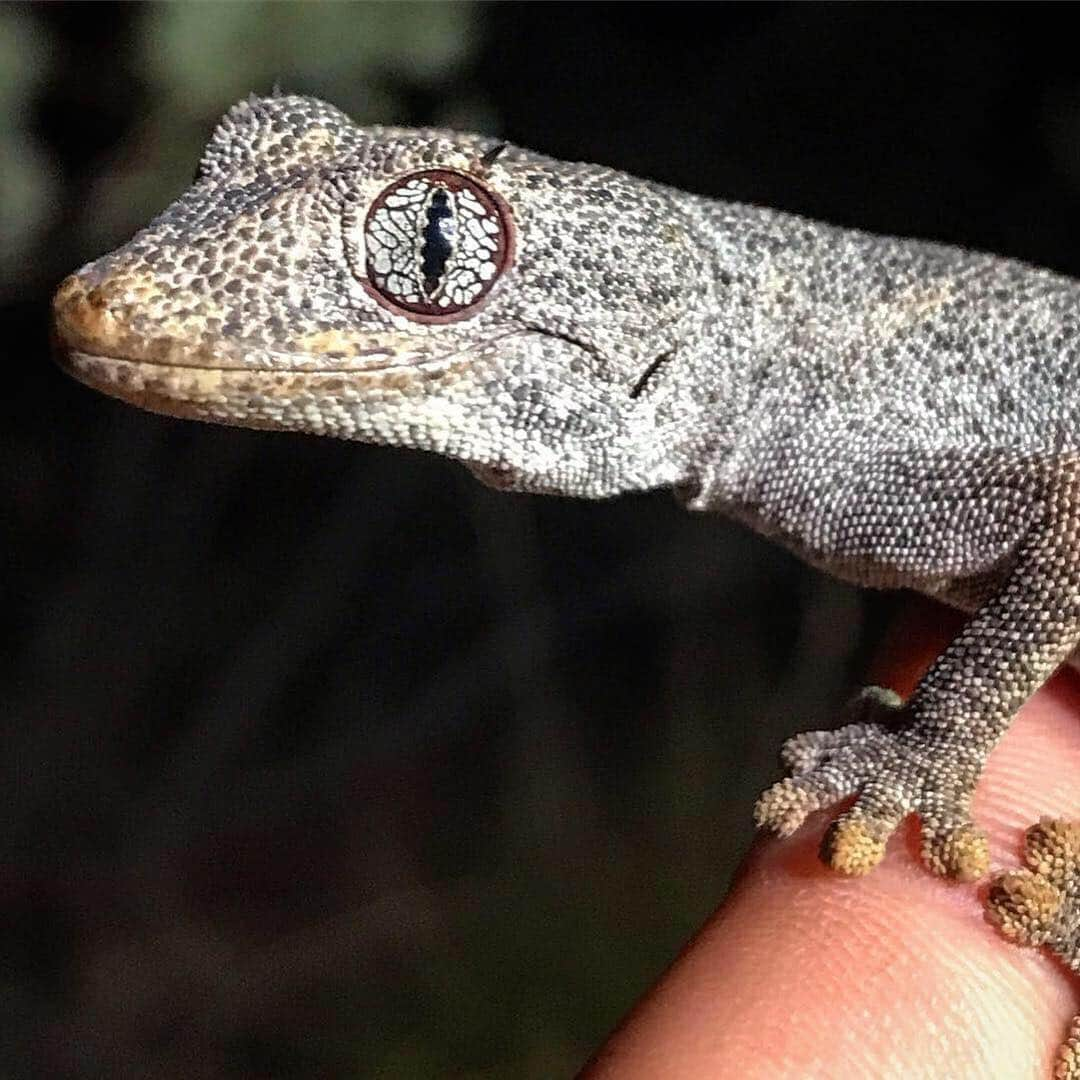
647, 375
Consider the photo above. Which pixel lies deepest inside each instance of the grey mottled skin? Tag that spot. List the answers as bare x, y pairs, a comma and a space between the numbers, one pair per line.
899, 413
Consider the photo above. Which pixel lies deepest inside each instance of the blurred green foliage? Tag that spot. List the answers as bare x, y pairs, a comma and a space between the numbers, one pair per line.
25, 181
344, 51
196, 59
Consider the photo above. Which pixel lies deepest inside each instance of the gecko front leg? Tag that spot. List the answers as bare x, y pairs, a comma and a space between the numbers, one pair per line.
925, 756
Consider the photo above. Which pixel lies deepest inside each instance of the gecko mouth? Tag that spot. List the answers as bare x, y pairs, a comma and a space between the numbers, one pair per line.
89, 321
261, 398
238, 382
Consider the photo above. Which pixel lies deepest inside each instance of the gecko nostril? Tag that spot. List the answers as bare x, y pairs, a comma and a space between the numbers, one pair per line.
97, 298
84, 311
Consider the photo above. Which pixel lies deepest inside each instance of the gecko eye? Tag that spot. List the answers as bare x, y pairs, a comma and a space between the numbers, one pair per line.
435, 243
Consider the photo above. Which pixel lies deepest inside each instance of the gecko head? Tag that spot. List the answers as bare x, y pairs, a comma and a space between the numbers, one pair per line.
420, 288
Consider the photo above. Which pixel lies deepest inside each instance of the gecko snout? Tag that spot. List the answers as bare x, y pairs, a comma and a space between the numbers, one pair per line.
117, 315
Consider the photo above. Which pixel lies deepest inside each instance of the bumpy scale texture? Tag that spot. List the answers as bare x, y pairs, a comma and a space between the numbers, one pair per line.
900, 413
1041, 906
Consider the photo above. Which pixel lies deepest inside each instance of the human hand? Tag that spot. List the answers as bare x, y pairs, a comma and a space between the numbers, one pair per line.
805, 974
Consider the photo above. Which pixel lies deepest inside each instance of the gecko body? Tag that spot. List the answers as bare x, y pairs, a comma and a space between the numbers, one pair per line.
899, 413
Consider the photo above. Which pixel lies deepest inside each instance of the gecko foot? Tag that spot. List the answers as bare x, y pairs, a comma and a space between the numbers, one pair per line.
1068, 1062
1037, 906
892, 774
1041, 906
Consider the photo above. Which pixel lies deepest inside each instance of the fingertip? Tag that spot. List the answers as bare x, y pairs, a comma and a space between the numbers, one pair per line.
896, 973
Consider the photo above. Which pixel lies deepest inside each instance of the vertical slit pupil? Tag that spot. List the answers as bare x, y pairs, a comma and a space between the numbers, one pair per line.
438, 234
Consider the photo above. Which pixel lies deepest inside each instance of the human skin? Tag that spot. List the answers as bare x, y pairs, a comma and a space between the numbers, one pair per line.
808, 975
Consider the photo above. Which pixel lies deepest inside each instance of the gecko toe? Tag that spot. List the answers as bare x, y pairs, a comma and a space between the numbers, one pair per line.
785, 806
1068, 1061
855, 843
1024, 906
1052, 849
808, 750
960, 851
865, 713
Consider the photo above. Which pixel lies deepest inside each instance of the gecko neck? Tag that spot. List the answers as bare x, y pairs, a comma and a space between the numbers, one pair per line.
781, 297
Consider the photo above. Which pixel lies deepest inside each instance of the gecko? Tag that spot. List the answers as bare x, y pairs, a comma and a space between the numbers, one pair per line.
899, 413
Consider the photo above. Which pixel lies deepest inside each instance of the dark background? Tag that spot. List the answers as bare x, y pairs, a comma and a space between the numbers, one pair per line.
321, 760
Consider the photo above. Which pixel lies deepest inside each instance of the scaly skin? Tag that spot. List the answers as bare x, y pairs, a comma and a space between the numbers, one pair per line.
1041, 906
900, 413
